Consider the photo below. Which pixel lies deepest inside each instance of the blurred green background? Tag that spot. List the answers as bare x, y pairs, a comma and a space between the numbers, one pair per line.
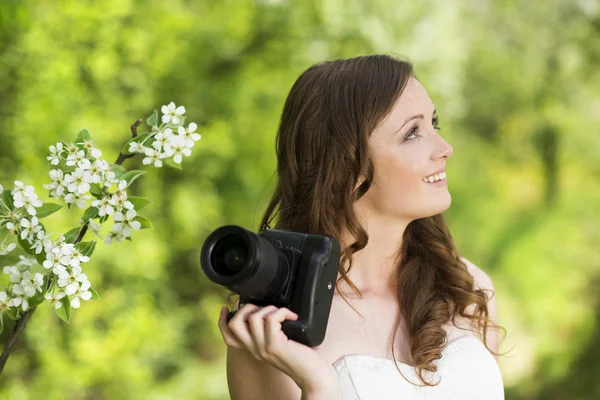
517, 87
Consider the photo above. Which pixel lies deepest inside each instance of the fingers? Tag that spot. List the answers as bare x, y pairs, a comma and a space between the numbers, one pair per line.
228, 337
273, 334
256, 323
255, 329
238, 328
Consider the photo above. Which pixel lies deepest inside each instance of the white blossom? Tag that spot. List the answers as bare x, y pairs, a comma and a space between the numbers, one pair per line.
135, 147
74, 159
78, 199
77, 257
26, 261
154, 157
162, 139
53, 260
29, 284
171, 113
104, 206
14, 229
89, 146
4, 301
19, 301
41, 241
54, 156
19, 189
55, 298
125, 223
14, 272
96, 171
73, 281
177, 149
56, 187
78, 181
72, 149
30, 228
116, 236
189, 134
81, 293
25, 197
4, 250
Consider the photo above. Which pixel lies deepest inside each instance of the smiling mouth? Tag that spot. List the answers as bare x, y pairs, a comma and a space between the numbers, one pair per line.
435, 178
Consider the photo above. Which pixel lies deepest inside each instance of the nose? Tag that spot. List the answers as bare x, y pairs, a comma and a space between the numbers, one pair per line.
447, 150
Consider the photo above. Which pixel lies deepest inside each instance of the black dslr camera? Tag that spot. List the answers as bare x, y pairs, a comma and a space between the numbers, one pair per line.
280, 268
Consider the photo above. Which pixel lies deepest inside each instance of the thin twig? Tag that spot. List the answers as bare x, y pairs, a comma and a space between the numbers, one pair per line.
22, 322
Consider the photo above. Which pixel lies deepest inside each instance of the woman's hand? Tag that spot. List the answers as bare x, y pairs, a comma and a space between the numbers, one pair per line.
257, 330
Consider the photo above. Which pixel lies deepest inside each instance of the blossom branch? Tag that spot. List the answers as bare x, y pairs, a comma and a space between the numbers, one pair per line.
22, 322
168, 142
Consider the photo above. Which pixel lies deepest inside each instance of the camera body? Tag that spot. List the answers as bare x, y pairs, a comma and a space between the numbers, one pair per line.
277, 267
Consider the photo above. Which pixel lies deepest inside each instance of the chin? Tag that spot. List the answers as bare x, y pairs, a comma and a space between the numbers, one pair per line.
436, 207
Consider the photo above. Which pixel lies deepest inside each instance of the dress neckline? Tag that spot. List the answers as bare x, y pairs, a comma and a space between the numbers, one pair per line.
400, 363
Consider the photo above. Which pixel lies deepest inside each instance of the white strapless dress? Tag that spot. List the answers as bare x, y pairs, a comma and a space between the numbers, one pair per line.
466, 371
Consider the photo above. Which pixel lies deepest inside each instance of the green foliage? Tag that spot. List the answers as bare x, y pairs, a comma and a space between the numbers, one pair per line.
139, 203
517, 96
131, 176
47, 209
64, 312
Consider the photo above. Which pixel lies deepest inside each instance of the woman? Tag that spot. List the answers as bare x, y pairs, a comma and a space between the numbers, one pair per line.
360, 159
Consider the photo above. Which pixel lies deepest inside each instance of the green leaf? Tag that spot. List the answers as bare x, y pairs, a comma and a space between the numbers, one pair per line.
143, 221
72, 235
152, 120
86, 248
82, 136
139, 203
131, 176
118, 170
138, 139
36, 300
96, 190
64, 312
8, 199
1, 321
13, 313
129, 238
103, 218
94, 294
90, 213
47, 209
25, 245
169, 161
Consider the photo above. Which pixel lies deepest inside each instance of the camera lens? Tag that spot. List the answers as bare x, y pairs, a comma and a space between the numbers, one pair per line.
244, 262
229, 255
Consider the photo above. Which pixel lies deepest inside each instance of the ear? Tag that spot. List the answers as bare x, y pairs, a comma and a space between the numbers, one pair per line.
360, 181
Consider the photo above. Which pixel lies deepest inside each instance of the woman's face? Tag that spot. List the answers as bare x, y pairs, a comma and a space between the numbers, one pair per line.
406, 148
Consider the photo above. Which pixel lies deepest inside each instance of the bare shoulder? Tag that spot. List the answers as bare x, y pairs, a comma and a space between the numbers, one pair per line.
482, 279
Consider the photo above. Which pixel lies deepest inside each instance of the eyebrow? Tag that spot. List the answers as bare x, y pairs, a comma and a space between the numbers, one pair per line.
421, 116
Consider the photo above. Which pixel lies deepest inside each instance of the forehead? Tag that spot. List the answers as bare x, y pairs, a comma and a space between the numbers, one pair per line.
413, 101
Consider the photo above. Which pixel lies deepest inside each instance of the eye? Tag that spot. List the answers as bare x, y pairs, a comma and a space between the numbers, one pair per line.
436, 122
411, 132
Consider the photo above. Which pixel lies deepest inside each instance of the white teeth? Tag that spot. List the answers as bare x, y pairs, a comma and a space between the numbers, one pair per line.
435, 178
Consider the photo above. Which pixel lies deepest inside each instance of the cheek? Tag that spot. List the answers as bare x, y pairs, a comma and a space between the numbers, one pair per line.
399, 181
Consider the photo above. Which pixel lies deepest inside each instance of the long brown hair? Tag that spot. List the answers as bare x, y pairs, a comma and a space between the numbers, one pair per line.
322, 150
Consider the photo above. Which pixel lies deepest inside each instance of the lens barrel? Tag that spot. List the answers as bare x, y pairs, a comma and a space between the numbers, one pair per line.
244, 262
